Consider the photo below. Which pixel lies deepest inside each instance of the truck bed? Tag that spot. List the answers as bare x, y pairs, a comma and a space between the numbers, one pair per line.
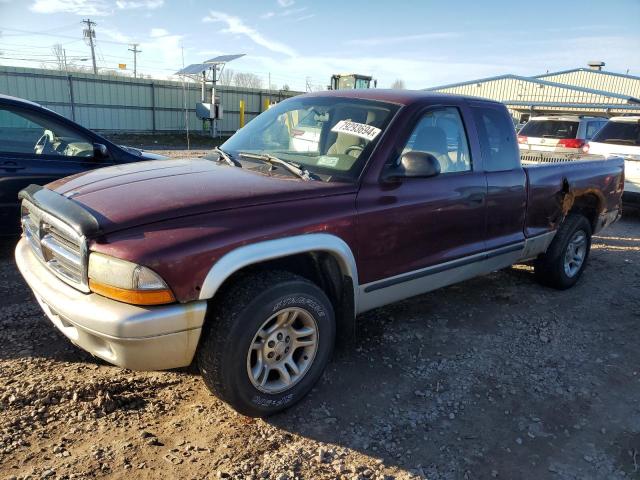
555, 181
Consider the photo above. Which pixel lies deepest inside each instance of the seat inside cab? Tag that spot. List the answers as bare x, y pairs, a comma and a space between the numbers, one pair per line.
348, 144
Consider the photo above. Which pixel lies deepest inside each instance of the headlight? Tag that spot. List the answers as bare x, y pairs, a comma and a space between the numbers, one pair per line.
126, 282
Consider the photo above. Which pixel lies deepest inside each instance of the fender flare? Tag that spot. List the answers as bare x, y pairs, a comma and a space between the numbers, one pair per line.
254, 253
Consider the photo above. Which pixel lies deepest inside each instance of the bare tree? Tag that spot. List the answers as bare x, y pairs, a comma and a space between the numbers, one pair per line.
58, 52
247, 80
285, 88
226, 77
398, 84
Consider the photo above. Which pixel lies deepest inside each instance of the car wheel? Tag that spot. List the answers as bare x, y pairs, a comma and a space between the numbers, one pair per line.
566, 258
266, 342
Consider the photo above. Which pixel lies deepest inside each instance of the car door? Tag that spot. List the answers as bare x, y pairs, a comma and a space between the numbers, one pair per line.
409, 224
36, 148
506, 179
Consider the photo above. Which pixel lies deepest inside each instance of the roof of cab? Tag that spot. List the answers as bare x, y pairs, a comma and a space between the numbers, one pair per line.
402, 97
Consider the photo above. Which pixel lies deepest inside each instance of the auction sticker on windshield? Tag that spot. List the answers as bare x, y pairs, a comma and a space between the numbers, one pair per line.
361, 130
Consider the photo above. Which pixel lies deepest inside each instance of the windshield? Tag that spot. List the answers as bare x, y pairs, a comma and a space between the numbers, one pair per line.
619, 133
330, 137
550, 129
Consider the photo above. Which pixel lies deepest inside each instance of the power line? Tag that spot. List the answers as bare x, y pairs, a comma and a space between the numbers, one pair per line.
38, 46
28, 32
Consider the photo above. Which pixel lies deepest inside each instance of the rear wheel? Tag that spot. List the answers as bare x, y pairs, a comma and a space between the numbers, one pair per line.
566, 258
267, 342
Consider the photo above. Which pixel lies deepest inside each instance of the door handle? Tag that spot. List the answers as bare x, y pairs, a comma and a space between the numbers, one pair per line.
476, 198
11, 166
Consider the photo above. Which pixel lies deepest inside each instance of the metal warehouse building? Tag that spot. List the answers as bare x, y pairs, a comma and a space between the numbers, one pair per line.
583, 91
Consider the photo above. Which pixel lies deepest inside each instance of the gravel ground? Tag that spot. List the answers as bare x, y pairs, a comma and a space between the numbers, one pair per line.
496, 377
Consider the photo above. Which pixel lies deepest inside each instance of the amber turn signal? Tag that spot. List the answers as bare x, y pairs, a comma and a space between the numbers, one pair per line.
136, 297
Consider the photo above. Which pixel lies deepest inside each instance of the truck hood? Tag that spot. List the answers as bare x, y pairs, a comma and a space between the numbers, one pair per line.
134, 194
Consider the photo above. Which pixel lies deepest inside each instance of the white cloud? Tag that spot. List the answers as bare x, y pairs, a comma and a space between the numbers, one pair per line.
305, 17
115, 34
158, 32
376, 41
292, 11
165, 46
288, 12
286, 3
236, 26
95, 8
132, 4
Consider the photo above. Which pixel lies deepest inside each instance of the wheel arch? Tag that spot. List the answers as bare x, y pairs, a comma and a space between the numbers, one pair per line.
321, 257
590, 206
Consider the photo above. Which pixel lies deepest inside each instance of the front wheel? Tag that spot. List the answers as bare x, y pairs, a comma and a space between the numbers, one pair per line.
267, 342
565, 259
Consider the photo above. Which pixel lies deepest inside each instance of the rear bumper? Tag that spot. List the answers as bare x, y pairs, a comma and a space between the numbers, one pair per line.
606, 219
129, 336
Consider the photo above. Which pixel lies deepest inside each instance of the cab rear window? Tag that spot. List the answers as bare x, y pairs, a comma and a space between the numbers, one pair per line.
619, 133
550, 129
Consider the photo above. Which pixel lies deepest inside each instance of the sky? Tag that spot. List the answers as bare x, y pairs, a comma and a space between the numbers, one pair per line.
299, 42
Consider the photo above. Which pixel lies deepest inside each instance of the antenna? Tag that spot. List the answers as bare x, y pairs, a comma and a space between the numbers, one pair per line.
90, 34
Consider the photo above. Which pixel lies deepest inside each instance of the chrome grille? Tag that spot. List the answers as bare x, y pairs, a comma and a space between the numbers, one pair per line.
57, 245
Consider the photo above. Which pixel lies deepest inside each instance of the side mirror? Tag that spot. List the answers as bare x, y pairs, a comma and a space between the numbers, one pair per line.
100, 151
416, 164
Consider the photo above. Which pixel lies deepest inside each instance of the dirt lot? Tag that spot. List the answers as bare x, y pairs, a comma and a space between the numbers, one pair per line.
493, 378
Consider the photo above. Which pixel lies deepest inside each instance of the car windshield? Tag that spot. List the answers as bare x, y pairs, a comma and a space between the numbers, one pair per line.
550, 129
619, 133
330, 137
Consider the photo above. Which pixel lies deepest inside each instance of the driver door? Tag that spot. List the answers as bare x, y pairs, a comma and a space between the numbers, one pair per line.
22, 164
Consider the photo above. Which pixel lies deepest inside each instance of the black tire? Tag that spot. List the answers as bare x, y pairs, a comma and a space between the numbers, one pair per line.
550, 266
236, 316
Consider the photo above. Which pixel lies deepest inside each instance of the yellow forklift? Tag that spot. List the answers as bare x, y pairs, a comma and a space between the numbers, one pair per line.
350, 81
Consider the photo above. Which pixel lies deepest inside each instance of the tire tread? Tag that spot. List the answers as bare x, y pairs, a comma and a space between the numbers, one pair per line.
549, 266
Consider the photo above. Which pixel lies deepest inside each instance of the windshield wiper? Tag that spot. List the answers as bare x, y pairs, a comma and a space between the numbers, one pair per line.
226, 157
294, 168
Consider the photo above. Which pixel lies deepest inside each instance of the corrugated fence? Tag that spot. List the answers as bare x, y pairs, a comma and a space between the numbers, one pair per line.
123, 104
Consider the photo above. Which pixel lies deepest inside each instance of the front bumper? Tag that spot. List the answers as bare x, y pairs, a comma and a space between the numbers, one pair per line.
129, 336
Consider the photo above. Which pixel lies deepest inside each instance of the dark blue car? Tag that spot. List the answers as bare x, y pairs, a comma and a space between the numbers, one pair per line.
38, 146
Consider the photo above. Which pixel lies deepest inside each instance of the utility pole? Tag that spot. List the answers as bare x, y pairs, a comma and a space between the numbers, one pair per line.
135, 58
64, 59
90, 33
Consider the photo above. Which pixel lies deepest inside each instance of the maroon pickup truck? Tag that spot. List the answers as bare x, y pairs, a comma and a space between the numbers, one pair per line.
256, 259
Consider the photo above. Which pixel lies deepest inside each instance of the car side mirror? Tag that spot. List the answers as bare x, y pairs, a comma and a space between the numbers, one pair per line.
415, 164
100, 151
